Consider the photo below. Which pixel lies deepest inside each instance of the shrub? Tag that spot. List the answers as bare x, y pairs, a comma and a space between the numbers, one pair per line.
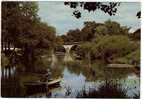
109, 47
106, 90
4, 60
131, 58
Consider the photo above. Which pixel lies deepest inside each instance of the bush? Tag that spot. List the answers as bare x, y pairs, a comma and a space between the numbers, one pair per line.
109, 47
4, 60
86, 48
107, 90
131, 58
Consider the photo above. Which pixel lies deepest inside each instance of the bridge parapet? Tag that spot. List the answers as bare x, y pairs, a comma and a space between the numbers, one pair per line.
71, 43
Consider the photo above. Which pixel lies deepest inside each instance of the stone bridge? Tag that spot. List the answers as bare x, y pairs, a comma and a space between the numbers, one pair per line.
68, 46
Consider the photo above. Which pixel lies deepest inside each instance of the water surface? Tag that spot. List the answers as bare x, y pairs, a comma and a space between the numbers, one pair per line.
76, 76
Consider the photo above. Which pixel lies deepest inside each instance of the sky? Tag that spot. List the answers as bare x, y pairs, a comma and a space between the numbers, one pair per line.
56, 14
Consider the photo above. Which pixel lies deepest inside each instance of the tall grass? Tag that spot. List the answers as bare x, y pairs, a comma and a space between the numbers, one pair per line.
106, 90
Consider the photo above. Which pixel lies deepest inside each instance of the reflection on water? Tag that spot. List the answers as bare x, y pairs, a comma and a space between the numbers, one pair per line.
54, 60
132, 82
67, 57
76, 76
78, 81
8, 71
67, 54
73, 81
10, 86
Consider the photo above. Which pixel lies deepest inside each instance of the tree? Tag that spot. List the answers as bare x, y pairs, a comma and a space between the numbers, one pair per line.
109, 28
22, 26
23, 13
86, 47
8, 12
110, 8
88, 30
114, 28
110, 47
64, 38
139, 14
59, 40
137, 34
74, 35
92, 30
40, 37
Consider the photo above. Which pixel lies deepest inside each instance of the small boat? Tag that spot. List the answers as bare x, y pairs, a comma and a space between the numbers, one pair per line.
54, 83
50, 83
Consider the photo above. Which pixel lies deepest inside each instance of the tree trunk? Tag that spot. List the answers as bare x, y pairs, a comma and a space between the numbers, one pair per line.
29, 58
5, 46
8, 45
2, 46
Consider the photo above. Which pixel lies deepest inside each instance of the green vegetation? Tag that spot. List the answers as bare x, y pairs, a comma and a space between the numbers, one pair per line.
92, 30
27, 33
27, 77
97, 44
108, 48
106, 90
132, 58
109, 42
4, 60
109, 8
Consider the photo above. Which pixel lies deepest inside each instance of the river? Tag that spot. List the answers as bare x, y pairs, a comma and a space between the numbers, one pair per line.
76, 76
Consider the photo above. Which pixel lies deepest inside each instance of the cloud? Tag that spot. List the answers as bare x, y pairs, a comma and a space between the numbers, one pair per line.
60, 16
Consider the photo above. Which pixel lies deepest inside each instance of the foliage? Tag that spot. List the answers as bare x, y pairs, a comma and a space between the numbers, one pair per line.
59, 40
131, 58
136, 36
114, 28
114, 46
86, 46
41, 36
28, 32
23, 12
109, 47
101, 30
92, 30
88, 31
42, 63
139, 14
106, 90
27, 28
4, 60
110, 8
72, 36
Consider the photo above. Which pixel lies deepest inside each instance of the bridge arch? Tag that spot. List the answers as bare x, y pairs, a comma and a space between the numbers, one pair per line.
59, 48
74, 47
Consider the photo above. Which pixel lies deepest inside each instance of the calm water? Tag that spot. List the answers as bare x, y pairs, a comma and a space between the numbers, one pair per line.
77, 76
